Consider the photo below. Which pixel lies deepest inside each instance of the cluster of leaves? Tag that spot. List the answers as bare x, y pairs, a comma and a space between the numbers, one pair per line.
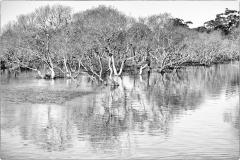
211, 48
225, 22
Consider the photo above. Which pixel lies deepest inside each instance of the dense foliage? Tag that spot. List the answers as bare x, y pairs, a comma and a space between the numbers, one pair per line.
103, 42
225, 22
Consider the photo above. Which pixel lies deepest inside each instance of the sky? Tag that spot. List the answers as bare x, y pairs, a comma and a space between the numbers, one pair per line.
196, 11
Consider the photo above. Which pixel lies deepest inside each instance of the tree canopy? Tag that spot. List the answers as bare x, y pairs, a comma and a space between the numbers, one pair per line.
104, 42
225, 22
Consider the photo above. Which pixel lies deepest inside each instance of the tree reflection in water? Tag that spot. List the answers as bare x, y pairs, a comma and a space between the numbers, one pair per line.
148, 104
47, 126
106, 120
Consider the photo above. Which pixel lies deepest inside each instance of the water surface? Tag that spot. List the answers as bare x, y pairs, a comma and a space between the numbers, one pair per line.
188, 114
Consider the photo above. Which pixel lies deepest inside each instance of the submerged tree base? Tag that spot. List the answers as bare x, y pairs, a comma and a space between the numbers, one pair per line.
47, 76
188, 64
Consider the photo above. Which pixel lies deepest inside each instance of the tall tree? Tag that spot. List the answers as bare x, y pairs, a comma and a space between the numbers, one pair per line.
140, 40
35, 33
102, 40
225, 22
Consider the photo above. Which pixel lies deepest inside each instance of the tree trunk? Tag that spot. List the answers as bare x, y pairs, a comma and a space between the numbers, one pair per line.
114, 67
141, 68
51, 67
68, 73
52, 73
121, 69
40, 75
110, 67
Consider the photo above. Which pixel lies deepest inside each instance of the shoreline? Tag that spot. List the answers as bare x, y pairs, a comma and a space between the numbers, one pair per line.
132, 70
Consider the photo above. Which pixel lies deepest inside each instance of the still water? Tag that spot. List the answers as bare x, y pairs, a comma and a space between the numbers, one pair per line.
189, 114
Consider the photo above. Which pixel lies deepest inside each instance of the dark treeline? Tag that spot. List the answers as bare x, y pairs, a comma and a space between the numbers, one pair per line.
103, 42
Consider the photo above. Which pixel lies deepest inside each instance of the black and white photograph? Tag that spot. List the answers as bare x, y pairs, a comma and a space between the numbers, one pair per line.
150, 80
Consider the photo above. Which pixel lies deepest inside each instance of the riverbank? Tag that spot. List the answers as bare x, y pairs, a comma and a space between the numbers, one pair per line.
130, 69
169, 69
